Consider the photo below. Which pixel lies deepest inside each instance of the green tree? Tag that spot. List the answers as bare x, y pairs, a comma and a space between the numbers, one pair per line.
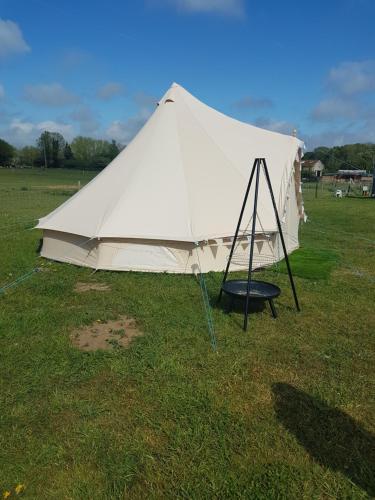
113, 150
7, 153
44, 146
350, 156
28, 156
93, 153
51, 146
68, 154
83, 148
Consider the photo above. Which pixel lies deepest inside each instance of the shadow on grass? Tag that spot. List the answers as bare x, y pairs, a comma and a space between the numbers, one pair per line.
237, 305
329, 435
235, 308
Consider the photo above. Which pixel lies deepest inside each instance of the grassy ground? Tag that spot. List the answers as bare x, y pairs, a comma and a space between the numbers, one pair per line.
285, 411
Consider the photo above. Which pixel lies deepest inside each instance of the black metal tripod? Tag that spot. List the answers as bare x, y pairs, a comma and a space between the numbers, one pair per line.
258, 164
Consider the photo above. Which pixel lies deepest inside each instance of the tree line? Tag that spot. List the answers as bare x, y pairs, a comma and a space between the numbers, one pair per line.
348, 157
53, 151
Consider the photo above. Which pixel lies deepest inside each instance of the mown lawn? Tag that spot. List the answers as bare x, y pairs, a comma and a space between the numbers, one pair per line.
284, 411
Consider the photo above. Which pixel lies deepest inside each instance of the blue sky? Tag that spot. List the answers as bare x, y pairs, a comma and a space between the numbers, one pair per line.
97, 68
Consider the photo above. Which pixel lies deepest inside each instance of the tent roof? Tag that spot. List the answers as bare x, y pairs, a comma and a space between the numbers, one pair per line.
181, 178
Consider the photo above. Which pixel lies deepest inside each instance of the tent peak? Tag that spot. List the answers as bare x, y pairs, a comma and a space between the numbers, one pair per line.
171, 94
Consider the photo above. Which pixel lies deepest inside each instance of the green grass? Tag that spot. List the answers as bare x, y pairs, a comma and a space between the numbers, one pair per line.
284, 411
311, 263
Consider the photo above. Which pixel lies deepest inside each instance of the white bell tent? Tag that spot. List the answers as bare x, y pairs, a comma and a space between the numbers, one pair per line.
169, 202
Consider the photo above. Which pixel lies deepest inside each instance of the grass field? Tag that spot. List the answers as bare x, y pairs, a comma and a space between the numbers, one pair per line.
284, 411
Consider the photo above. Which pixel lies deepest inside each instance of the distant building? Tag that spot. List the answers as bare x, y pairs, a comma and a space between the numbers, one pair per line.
345, 176
354, 175
312, 168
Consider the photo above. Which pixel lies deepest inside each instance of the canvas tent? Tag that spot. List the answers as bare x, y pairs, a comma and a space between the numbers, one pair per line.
169, 202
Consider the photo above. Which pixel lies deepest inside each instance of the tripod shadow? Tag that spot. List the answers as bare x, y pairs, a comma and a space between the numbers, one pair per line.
237, 305
235, 308
330, 436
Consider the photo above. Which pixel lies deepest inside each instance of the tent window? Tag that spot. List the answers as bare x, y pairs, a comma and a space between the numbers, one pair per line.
168, 100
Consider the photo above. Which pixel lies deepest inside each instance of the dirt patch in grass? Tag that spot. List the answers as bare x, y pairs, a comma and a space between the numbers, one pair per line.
86, 287
107, 336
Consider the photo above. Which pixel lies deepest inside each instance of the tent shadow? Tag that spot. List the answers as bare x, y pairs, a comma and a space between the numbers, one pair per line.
330, 436
39, 247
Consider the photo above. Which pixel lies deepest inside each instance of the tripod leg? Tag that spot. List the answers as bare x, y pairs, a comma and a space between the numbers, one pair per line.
265, 168
273, 308
237, 229
246, 313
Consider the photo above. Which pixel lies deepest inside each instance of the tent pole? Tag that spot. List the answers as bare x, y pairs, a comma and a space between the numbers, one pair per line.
237, 229
280, 233
258, 163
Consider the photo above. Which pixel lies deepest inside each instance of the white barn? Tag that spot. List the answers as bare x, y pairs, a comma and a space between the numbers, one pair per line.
313, 167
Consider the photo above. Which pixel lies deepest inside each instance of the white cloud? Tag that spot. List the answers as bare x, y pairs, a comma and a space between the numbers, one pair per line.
81, 120
65, 129
145, 101
124, 131
234, 8
248, 102
73, 58
346, 107
85, 117
52, 94
341, 136
336, 108
2, 92
11, 39
20, 132
350, 78
119, 131
109, 90
281, 126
